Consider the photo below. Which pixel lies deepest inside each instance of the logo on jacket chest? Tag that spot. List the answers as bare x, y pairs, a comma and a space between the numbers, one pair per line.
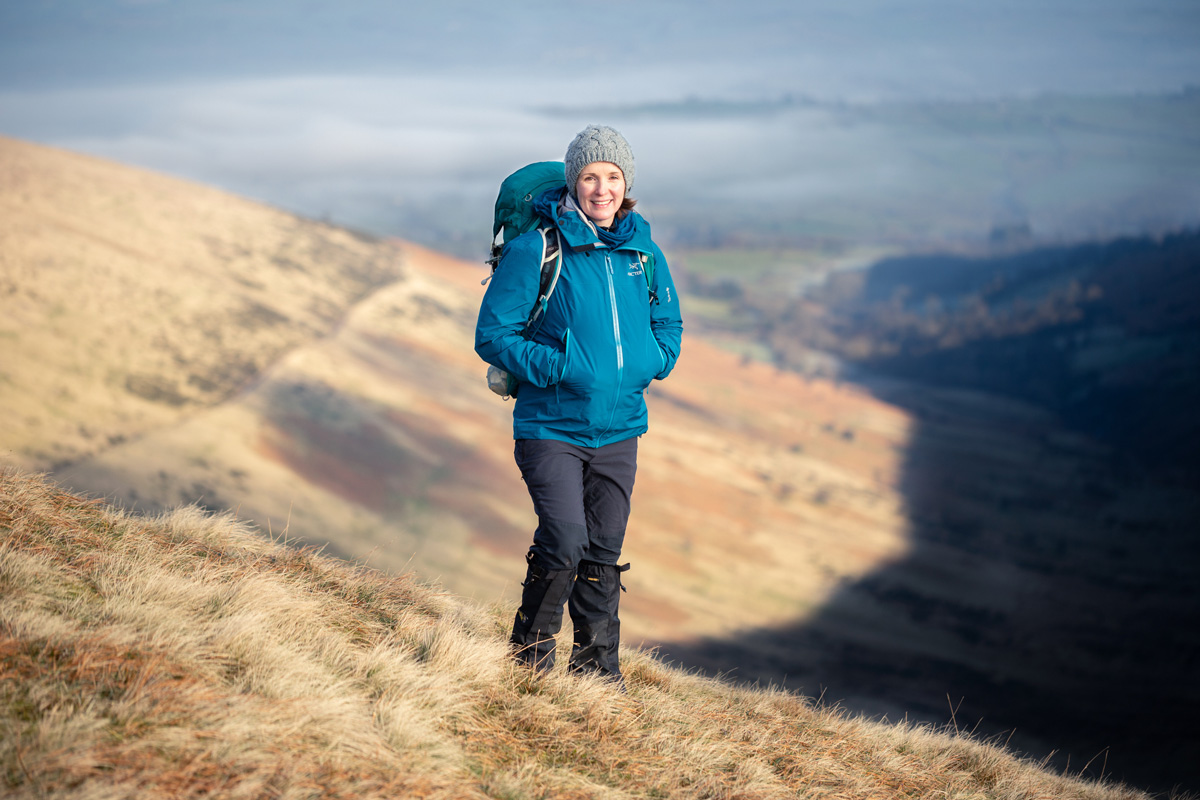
635, 267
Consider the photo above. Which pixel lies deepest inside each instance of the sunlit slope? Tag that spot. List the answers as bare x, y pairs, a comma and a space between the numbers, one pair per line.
130, 300
783, 528
357, 415
757, 492
187, 657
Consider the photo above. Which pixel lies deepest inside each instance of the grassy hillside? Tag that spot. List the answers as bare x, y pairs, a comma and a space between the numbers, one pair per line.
131, 300
186, 656
791, 529
375, 433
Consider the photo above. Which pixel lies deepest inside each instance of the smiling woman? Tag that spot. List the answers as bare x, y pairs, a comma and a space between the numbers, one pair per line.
610, 328
601, 192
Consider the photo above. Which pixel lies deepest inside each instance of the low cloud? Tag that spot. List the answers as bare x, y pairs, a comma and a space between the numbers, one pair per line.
421, 157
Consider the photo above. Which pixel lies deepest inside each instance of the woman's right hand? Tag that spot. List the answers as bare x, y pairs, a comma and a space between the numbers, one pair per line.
564, 374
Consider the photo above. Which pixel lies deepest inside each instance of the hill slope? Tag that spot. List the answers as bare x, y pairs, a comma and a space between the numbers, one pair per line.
187, 657
373, 431
1107, 335
785, 529
1049, 479
132, 299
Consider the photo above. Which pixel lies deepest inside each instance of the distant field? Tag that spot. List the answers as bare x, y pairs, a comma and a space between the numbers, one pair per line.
717, 284
796, 264
750, 264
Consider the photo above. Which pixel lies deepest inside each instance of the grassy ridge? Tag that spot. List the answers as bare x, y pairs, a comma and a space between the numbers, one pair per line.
187, 656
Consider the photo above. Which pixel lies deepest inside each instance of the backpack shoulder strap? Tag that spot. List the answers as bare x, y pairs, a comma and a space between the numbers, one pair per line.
552, 261
648, 270
648, 267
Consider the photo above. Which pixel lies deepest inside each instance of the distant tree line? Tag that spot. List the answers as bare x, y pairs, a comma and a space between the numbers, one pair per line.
1107, 335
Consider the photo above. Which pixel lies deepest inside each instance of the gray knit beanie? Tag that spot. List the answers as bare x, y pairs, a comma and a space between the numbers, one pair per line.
598, 143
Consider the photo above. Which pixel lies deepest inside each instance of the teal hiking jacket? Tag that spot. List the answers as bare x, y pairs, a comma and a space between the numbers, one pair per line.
601, 340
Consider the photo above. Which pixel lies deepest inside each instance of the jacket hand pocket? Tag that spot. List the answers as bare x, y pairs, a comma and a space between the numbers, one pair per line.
662, 354
652, 362
564, 372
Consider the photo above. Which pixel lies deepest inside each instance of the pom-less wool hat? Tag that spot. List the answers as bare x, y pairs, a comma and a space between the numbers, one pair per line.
598, 143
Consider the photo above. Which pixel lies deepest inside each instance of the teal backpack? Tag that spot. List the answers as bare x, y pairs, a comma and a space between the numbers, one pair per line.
514, 215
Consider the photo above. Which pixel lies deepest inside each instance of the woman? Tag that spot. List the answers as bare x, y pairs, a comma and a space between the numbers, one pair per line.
609, 329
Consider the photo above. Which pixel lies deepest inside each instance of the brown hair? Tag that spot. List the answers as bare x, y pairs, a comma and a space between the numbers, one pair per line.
626, 206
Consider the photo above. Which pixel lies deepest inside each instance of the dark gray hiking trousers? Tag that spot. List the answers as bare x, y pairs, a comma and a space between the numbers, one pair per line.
581, 496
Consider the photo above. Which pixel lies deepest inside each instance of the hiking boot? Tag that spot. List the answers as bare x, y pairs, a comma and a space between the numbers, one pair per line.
593, 607
540, 616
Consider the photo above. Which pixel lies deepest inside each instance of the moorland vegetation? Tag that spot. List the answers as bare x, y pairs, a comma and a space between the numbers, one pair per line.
189, 656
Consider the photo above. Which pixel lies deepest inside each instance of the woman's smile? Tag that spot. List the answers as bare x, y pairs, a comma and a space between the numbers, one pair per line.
600, 189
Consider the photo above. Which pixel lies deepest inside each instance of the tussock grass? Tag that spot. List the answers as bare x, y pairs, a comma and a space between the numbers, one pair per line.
187, 656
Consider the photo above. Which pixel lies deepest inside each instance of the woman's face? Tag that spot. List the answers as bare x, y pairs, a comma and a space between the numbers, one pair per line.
600, 189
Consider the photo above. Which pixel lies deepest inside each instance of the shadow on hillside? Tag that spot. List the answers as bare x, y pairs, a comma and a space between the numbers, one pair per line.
1048, 599
1041, 605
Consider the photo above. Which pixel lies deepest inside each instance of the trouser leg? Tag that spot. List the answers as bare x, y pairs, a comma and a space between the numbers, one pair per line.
582, 499
554, 476
607, 479
595, 598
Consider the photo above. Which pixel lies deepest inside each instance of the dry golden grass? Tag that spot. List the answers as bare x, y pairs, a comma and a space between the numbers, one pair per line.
164, 343
132, 299
187, 656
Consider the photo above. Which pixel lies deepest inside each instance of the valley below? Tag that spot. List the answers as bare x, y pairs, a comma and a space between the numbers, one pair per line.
1048, 484
1044, 598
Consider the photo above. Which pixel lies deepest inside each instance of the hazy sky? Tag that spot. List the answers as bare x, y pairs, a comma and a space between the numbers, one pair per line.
828, 48
326, 107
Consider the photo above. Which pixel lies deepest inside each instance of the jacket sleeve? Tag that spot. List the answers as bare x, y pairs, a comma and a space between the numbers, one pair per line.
510, 296
666, 320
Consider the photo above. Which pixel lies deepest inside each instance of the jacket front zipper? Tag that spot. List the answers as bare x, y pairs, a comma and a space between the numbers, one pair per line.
612, 300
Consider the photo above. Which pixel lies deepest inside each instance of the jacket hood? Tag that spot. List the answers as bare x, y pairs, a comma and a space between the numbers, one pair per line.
578, 231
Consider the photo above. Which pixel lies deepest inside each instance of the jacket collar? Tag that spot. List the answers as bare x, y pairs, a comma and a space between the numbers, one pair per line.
559, 209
